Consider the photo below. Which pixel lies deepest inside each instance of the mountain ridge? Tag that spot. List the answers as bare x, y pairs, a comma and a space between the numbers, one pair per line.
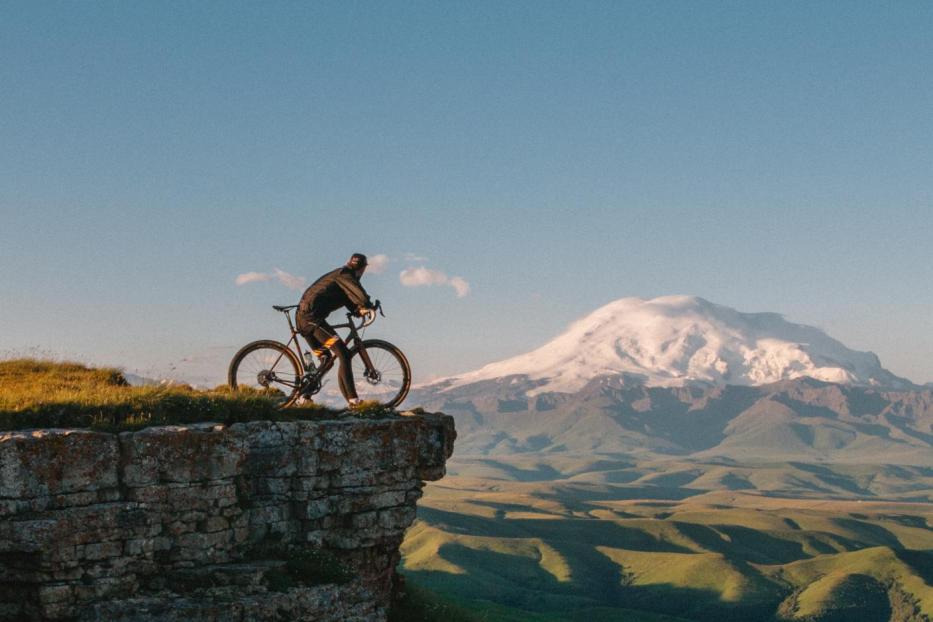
800, 419
682, 340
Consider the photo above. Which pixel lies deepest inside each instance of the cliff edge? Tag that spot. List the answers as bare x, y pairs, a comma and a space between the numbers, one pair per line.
250, 521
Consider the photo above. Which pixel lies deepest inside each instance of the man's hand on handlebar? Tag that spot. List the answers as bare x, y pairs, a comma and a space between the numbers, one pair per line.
368, 314
369, 310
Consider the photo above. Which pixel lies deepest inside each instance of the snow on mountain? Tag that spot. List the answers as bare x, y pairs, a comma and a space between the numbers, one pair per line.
677, 340
135, 380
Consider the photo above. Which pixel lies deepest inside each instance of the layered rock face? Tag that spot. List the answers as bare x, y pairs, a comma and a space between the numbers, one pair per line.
183, 523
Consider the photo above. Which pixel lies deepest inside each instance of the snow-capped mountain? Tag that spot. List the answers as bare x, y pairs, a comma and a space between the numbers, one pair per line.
674, 341
135, 380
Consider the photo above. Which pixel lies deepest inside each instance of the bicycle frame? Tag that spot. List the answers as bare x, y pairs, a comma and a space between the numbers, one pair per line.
353, 338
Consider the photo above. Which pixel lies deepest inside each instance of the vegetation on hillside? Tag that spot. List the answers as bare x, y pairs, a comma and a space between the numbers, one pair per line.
37, 393
417, 604
565, 551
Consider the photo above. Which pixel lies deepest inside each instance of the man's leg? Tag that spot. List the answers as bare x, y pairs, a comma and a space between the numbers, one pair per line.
307, 331
317, 348
329, 339
347, 386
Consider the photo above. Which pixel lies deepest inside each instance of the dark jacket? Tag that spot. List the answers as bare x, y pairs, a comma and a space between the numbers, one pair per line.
338, 288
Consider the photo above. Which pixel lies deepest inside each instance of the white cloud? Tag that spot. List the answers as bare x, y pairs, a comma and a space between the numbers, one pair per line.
414, 258
378, 264
288, 280
420, 276
460, 284
252, 277
423, 277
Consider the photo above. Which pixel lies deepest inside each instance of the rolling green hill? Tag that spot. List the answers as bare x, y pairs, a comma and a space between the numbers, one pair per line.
683, 477
578, 550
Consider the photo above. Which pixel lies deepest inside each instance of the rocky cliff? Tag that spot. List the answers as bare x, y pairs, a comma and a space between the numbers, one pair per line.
252, 521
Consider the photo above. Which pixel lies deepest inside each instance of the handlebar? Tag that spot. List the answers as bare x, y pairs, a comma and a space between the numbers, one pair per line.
369, 316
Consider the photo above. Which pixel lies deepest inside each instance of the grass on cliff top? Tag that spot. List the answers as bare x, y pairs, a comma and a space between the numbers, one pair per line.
36, 393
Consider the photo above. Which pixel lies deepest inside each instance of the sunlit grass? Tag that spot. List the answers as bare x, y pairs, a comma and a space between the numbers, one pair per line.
722, 556
41, 393
821, 577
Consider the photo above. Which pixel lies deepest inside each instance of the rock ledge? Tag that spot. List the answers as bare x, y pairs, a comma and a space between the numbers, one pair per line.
99, 526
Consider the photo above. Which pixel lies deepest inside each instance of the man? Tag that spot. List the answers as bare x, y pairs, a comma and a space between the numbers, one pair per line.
338, 288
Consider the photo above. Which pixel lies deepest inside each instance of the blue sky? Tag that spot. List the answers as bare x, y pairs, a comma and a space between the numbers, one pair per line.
556, 156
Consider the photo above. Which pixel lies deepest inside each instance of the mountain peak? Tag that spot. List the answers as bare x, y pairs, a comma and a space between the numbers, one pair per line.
680, 340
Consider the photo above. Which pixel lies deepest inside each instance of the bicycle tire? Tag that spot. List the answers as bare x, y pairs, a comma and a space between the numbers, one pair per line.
247, 366
392, 387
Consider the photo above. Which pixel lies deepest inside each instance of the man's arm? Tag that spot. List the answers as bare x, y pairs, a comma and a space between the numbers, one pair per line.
354, 291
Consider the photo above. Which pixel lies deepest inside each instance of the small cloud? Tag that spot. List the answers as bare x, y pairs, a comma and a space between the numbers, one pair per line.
460, 284
414, 258
421, 276
424, 277
378, 264
288, 280
252, 277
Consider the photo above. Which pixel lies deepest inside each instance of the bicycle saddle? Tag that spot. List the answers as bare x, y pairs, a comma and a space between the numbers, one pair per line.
284, 308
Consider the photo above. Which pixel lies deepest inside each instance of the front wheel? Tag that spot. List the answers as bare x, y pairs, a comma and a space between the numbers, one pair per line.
387, 377
269, 368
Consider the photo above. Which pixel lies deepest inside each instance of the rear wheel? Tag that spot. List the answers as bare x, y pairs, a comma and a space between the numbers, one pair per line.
389, 378
268, 368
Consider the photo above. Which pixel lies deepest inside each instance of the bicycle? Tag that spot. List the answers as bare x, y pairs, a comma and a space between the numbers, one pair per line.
286, 373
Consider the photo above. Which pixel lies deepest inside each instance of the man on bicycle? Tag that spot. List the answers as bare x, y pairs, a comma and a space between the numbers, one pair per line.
338, 288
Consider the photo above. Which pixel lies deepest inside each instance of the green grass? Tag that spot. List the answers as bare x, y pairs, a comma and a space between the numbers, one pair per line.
688, 476
36, 393
566, 551
420, 604
709, 572
417, 604
824, 581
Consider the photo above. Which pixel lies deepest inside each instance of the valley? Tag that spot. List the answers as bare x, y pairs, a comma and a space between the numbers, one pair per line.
673, 544
674, 459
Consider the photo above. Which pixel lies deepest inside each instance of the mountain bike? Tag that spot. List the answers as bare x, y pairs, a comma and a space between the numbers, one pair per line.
287, 373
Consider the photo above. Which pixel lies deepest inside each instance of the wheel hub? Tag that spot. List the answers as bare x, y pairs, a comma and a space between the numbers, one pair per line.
265, 378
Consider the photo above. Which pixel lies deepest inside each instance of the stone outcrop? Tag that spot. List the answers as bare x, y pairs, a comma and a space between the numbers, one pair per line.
197, 522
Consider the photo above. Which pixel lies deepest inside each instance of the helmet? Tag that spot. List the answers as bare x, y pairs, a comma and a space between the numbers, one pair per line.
357, 261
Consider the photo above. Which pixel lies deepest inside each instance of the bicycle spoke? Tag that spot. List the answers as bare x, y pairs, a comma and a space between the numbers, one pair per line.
390, 377
265, 367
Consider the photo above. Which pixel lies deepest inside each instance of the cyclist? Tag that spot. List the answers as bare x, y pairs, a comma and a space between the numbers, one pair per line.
338, 288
